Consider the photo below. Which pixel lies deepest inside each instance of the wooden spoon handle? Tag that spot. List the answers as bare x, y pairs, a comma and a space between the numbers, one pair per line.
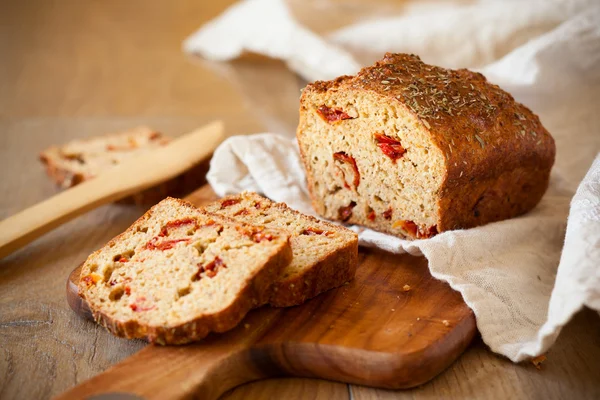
131, 176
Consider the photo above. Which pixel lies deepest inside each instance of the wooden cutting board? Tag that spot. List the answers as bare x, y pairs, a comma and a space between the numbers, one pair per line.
394, 326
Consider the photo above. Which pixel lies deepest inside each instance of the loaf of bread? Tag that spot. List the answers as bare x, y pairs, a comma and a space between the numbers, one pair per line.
412, 149
179, 273
324, 255
80, 160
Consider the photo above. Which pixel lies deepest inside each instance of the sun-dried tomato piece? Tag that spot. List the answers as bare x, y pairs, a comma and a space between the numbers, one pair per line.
155, 135
140, 304
346, 212
164, 245
176, 224
387, 214
210, 269
332, 115
137, 307
255, 233
91, 279
229, 202
127, 290
310, 231
243, 211
407, 226
424, 233
389, 146
260, 236
211, 274
344, 158
216, 263
371, 216
123, 260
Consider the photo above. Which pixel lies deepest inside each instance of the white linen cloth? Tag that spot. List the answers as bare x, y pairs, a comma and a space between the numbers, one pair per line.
523, 279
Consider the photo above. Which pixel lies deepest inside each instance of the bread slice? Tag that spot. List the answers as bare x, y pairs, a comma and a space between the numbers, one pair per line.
80, 160
413, 149
324, 255
179, 273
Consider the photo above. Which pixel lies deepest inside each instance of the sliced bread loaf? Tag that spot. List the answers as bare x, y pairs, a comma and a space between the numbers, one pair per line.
412, 149
179, 273
324, 255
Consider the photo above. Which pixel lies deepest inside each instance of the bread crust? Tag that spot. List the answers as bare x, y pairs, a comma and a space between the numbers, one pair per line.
497, 155
330, 271
256, 292
333, 270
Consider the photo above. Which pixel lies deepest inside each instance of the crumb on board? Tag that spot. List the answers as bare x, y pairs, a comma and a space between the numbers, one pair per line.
246, 326
445, 322
418, 318
406, 288
393, 309
537, 361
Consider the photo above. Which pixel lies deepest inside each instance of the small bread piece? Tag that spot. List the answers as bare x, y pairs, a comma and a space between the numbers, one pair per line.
80, 160
325, 255
179, 273
413, 149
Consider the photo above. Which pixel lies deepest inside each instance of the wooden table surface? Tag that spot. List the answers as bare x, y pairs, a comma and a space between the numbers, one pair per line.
74, 69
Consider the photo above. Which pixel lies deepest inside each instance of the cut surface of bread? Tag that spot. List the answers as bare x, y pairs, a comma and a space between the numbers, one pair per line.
179, 273
412, 149
324, 255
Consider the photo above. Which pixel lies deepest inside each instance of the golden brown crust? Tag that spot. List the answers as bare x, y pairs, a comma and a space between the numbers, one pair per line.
497, 154
254, 294
333, 270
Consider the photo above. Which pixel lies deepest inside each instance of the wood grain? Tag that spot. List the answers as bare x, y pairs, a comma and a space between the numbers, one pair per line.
75, 69
394, 326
